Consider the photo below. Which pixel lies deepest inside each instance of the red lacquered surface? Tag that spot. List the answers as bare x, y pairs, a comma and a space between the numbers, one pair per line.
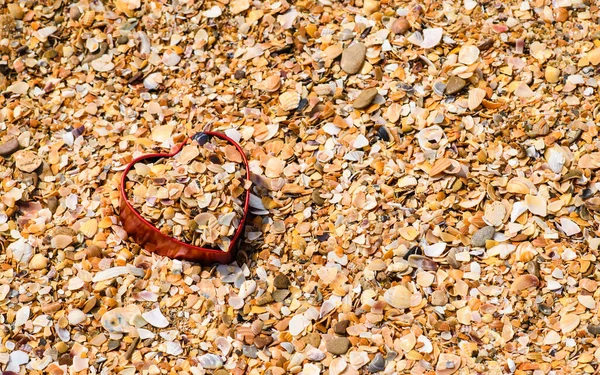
151, 239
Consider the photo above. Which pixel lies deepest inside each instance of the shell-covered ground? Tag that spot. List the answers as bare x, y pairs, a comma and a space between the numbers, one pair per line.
424, 187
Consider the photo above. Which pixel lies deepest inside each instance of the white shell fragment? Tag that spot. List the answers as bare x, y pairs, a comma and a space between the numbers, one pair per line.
156, 318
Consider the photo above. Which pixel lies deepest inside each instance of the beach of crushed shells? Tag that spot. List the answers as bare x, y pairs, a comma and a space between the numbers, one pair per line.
424, 194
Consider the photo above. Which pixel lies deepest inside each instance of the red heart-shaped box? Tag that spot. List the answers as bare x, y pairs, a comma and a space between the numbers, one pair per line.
151, 239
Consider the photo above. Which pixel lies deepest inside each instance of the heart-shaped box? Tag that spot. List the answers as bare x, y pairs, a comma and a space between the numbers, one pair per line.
150, 238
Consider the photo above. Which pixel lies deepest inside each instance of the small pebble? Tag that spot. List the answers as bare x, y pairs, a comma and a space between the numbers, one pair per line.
482, 235
365, 98
281, 281
353, 58
340, 327
400, 26
265, 299
338, 345
454, 85
9, 147
280, 295
262, 341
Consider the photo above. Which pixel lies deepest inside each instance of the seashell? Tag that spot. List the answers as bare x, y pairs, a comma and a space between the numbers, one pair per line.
117, 320
20, 250
370, 6
153, 80
315, 354
76, 316
62, 333
377, 364
556, 157
447, 364
440, 166
552, 338
536, 205
430, 138
427, 346
61, 241
428, 38
298, 324
170, 58
289, 100
346, 34
210, 361
587, 300
521, 185
337, 366
270, 84
569, 226
524, 282
257, 327
296, 360
223, 345
117, 271
310, 369
468, 54
569, 322
22, 316
434, 250
38, 262
439, 88
358, 359
408, 342
89, 228
476, 96
88, 18
393, 112
494, 214
247, 288
524, 91
155, 318
398, 297
173, 348
419, 261
525, 252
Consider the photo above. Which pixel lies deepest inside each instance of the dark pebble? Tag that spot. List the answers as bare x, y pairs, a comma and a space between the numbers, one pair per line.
281, 281
593, 329
340, 327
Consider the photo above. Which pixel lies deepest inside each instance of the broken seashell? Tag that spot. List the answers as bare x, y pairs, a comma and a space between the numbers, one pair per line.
536, 205
520, 185
118, 320
569, 226
524, 282
468, 54
155, 318
337, 366
494, 214
447, 364
398, 297
556, 158
569, 322
210, 361
476, 96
